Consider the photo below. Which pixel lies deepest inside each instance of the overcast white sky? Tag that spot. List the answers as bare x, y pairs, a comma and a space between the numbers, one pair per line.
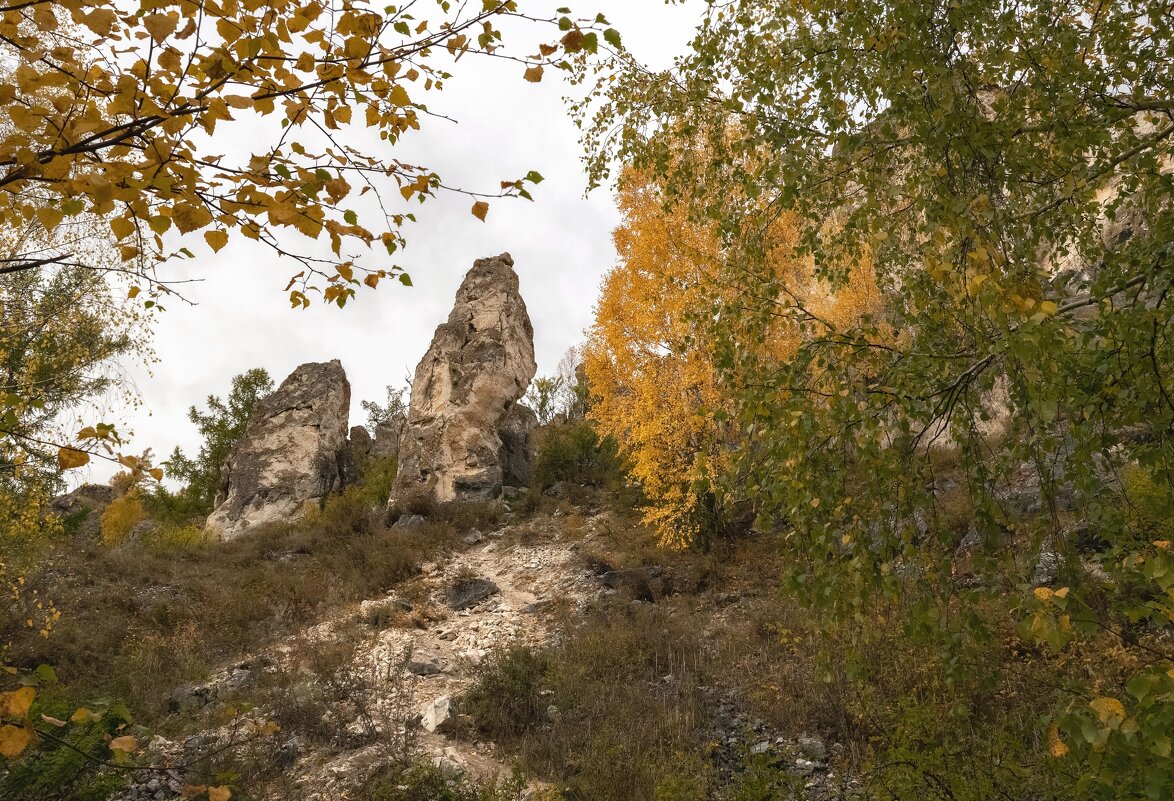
561, 246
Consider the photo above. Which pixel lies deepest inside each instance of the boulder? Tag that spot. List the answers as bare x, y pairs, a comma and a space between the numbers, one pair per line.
387, 437
467, 593
440, 715
515, 455
291, 455
81, 510
479, 363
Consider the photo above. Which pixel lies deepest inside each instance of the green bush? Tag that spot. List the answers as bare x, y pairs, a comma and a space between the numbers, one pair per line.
574, 452
507, 698
422, 782
52, 771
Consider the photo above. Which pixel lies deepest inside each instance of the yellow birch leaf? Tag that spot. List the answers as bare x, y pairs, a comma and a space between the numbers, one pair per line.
480, 209
126, 743
160, 26
219, 793
533, 74
13, 740
69, 458
50, 217
399, 96
16, 704
1056, 746
1108, 710
122, 227
216, 239
134, 291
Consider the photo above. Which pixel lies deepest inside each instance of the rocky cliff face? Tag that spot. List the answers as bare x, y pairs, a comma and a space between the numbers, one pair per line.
515, 430
479, 363
293, 452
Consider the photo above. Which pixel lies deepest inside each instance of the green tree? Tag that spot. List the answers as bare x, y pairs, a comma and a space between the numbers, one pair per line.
396, 406
220, 426
1006, 167
543, 396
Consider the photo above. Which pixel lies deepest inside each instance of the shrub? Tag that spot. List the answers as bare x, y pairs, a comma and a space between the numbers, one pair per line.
378, 476
121, 516
574, 452
507, 698
422, 782
169, 538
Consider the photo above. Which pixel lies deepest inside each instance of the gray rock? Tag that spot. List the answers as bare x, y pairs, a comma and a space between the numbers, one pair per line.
1047, 564
469, 592
289, 457
423, 665
142, 531
81, 510
354, 456
473, 537
387, 437
289, 751
439, 716
410, 521
516, 452
479, 364
813, 747
512, 493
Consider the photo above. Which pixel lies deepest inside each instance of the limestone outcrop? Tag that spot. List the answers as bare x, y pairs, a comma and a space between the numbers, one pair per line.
354, 456
292, 455
479, 364
515, 430
387, 437
81, 510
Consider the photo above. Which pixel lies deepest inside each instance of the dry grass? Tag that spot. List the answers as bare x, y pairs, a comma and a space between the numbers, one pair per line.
137, 622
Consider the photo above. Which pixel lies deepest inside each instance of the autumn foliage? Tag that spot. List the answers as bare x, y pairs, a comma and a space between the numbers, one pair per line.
650, 358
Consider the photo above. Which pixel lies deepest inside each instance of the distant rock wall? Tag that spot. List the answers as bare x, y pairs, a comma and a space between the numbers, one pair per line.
479, 364
293, 453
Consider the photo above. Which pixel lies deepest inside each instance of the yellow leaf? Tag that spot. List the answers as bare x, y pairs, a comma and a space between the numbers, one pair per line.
126, 743
16, 704
1062, 592
372, 280
216, 239
81, 715
1056, 746
533, 74
50, 217
69, 458
1043, 593
480, 209
399, 96
156, 473
1109, 710
219, 793
13, 740
160, 26
1162, 545
122, 227
134, 291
